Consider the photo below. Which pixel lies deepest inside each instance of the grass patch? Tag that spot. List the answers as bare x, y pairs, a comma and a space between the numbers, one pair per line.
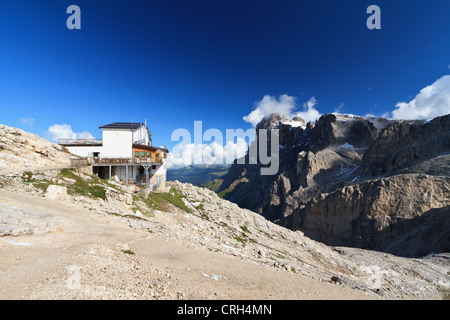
157, 202
176, 198
208, 185
232, 189
97, 192
42, 185
128, 252
68, 173
223, 193
278, 255
202, 212
205, 216
245, 229
213, 185
163, 201
115, 214
241, 240
83, 187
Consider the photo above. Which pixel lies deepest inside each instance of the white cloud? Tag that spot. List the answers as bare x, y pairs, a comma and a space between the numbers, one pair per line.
339, 108
183, 155
284, 106
269, 105
309, 112
64, 131
431, 102
85, 135
29, 121
371, 115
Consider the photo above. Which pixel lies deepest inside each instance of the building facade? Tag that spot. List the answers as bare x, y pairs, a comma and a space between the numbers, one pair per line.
125, 153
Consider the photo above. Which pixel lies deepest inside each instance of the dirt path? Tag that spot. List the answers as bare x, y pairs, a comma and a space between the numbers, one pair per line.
217, 276
86, 260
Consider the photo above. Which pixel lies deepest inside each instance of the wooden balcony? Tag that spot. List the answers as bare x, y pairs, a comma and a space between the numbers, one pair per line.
114, 161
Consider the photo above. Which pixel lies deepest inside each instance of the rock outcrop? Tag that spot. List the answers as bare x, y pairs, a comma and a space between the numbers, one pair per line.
20, 149
373, 214
352, 181
56, 192
407, 142
312, 159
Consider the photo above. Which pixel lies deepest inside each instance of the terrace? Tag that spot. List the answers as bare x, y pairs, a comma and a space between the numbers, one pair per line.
80, 142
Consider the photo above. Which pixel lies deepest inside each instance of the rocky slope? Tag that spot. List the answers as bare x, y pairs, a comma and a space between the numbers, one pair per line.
201, 221
405, 143
21, 150
353, 181
74, 213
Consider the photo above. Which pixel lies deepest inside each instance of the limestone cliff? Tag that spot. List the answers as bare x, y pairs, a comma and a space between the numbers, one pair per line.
354, 181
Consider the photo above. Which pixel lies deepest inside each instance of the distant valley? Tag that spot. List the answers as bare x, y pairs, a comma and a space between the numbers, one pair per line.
198, 175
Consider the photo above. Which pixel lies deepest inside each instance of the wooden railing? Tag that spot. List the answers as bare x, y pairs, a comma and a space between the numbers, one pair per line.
113, 161
78, 162
117, 161
80, 142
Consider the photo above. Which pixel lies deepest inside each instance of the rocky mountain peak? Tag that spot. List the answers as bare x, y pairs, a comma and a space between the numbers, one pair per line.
405, 142
347, 155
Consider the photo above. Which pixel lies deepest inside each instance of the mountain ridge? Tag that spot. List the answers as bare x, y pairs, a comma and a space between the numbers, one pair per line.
337, 154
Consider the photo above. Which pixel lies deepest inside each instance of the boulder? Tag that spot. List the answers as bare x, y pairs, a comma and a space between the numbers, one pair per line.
56, 192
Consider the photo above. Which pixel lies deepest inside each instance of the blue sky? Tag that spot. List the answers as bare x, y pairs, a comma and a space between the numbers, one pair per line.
175, 62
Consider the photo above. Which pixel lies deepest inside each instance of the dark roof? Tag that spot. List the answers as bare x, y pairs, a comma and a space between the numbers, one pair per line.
122, 125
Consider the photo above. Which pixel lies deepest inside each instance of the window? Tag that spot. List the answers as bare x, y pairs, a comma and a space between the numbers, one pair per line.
147, 154
157, 154
142, 154
136, 154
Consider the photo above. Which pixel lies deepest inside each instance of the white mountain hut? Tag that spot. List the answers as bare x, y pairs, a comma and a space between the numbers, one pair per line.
125, 153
